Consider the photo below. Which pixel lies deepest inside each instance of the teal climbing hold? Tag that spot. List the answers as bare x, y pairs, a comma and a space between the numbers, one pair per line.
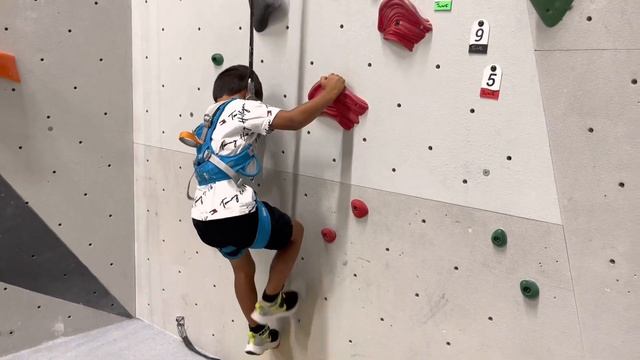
217, 59
499, 238
529, 289
551, 11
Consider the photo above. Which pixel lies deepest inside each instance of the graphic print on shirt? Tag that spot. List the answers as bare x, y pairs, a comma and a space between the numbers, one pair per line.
241, 115
224, 144
246, 132
226, 201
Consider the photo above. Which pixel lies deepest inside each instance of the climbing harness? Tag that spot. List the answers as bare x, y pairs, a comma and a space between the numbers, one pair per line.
210, 168
182, 332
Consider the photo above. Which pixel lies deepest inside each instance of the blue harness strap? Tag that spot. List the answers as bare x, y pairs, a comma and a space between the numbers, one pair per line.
262, 236
210, 167
264, 227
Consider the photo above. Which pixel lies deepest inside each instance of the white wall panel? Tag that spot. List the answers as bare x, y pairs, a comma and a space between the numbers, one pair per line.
435, 103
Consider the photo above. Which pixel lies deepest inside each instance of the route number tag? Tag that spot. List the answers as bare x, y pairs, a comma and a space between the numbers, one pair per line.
479, 38
491, 82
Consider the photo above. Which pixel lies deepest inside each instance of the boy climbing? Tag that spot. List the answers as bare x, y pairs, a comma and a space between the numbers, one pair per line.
226, 212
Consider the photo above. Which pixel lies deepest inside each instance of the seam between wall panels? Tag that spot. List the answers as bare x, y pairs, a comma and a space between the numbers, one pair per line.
555, 180
381, 190
300, 97
416, 197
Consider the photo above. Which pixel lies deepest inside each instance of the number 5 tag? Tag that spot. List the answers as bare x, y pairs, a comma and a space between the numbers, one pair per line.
491, 82
479, 39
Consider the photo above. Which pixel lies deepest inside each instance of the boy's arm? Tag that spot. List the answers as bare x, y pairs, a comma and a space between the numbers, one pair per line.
304, 114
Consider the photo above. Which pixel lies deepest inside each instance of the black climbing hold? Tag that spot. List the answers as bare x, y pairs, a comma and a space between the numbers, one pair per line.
217, 59
529, 289
499, 238
262, 10
551, 11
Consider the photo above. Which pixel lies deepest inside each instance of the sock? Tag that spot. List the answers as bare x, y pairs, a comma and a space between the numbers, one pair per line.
257, 329
269, 298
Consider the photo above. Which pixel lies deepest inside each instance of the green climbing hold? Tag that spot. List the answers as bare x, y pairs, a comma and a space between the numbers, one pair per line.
217, 59
551, 11
529, 289
499, 238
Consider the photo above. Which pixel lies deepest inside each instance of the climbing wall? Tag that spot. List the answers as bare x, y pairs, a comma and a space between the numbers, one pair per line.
589, 67
439, 167
66, 170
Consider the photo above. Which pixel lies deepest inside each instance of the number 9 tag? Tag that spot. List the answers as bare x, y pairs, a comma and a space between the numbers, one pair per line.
479, 39
491, 82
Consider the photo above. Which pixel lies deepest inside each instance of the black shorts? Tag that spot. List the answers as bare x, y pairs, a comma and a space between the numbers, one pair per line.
240, 231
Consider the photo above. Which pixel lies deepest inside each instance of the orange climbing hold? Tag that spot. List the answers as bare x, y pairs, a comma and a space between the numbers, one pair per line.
189, 138
8, 67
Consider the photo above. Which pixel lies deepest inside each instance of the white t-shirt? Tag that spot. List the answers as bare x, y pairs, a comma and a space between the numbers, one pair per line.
241, 123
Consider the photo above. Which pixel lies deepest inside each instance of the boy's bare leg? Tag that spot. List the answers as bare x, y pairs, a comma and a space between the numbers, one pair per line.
244, 271
284, 260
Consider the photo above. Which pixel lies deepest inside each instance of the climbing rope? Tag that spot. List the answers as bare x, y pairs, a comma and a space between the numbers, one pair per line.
182, 332
251, 90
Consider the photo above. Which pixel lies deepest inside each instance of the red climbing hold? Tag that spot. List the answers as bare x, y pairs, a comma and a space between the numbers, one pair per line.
359, 208
8, 67
400, 21
346, 109
329, 235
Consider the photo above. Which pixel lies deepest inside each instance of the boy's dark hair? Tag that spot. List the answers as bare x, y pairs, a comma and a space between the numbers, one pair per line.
234, 80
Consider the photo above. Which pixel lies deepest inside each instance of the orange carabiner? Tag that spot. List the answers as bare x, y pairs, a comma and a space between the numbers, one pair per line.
189, 138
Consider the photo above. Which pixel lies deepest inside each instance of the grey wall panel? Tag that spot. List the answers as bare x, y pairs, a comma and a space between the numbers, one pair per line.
593, 112
66, 130
33, 257
28, 318
591, 24
415, 273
